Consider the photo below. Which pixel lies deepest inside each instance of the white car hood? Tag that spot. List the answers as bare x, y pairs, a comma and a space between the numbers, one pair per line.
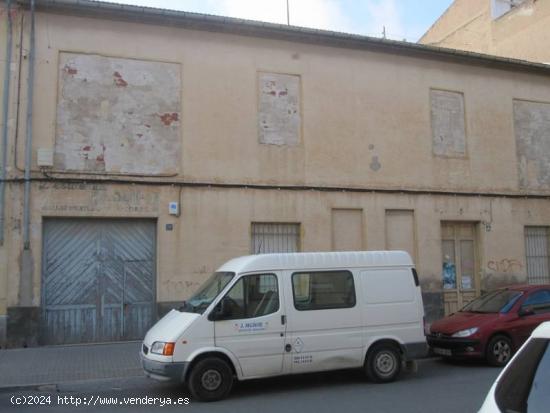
170, 327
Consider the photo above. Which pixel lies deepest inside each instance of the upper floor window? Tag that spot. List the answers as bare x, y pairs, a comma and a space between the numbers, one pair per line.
448, 123
501, 7
279, 117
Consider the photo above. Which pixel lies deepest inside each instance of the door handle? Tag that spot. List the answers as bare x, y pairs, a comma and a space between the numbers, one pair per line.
288, 348
283, 319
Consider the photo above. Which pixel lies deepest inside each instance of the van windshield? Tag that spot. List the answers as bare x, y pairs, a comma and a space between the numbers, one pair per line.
498, 301
206, 293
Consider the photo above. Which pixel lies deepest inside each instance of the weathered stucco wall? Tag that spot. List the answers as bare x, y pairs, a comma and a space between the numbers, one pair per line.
347, 132
214, 226
521, 33
117, 115
364, 120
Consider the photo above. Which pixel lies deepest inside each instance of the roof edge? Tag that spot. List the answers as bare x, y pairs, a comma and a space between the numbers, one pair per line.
251, 28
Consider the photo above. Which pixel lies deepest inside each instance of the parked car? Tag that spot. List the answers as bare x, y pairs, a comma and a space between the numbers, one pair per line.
522, 386
493, 326
273, 314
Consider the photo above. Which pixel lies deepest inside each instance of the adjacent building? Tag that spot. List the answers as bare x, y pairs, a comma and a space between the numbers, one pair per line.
145, 147
510, 28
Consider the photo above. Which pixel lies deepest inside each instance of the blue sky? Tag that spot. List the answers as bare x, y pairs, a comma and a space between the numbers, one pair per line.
403, 19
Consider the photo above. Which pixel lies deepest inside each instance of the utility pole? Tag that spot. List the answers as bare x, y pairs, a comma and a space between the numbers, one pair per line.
384, 32
287, 13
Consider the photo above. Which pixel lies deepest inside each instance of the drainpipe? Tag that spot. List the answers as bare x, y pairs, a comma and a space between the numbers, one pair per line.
5, 114
27, 264
28, 141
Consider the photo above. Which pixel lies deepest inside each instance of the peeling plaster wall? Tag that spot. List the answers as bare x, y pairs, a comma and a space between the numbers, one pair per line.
279, 118
448, 129
117, 115
532, 129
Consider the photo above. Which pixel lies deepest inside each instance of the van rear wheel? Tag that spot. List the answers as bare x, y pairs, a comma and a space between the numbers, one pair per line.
383, 363
210, 380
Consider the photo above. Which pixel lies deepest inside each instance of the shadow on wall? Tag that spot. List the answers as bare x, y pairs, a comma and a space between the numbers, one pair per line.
492, 281
23, 327
3, 322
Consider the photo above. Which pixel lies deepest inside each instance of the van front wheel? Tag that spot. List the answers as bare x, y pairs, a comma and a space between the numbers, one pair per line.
210, 380
383, 363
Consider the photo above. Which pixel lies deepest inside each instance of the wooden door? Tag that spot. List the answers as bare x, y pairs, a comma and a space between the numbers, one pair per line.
459, 264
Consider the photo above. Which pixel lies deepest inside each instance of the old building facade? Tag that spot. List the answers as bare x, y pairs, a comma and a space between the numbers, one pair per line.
159, 144
510, 28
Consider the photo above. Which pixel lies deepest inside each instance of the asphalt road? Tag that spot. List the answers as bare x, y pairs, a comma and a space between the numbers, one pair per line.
436, 387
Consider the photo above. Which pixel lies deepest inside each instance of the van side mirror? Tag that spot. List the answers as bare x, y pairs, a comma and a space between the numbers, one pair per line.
526, 311
220, 312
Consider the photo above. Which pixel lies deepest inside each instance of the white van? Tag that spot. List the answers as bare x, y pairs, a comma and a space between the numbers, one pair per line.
272, 314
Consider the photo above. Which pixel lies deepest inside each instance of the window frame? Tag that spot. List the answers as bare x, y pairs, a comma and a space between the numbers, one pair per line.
514, 386
535, 306
237, 280
323, 272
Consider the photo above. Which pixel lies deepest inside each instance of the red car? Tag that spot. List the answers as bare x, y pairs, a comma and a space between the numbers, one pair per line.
493, 326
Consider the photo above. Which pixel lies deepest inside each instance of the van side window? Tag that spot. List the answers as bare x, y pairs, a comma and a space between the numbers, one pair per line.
252, 296
323, 290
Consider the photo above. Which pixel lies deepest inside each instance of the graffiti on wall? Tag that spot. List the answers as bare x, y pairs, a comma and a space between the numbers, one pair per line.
505, 265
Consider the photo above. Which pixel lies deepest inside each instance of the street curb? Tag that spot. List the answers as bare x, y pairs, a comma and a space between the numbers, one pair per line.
54, 387
24, 387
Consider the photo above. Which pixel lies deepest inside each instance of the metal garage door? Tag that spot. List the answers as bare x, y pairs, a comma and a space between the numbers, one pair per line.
98, 280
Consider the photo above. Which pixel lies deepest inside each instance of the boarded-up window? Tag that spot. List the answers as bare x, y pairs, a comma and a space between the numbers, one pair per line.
117, 115
448, 123
532, 130
400, 234
347, 229
279, 119
275, 237
537, 254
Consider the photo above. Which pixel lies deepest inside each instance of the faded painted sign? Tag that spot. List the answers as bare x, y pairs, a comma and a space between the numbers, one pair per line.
279, 115
118, 115
448, 128
532, 130
79, 198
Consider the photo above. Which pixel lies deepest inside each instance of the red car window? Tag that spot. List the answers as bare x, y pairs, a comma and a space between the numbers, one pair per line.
539, 301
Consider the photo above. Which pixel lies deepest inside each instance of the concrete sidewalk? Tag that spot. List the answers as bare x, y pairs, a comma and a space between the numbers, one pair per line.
34, 367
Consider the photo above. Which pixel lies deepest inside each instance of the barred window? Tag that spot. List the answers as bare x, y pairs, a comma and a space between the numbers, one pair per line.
275, 237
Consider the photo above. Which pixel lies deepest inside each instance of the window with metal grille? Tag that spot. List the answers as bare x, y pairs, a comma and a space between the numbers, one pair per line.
275, 237
537, 256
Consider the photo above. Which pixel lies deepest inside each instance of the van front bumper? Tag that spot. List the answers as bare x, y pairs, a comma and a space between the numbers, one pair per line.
158, 370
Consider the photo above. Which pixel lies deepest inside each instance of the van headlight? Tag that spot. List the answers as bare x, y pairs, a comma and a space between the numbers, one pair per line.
163, 348
465, 333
